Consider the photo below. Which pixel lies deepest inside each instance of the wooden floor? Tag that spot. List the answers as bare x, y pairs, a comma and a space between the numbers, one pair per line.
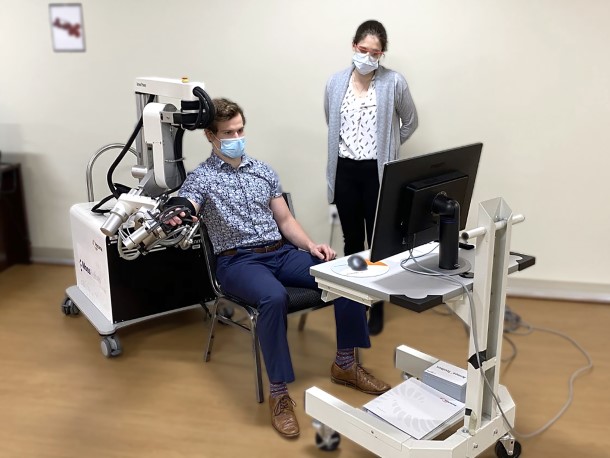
59, 397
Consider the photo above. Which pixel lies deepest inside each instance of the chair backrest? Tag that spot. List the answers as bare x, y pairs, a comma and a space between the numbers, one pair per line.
210, 259
288, 198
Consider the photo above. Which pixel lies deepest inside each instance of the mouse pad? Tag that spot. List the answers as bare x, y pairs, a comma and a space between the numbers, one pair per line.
374, 269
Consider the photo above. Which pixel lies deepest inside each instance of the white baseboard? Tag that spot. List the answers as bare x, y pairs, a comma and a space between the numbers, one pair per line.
558, 290
52, 256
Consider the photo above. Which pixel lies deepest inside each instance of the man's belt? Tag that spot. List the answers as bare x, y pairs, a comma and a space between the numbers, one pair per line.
255, 249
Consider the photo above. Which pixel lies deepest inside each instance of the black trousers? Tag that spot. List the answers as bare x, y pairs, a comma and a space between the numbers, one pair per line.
356, 190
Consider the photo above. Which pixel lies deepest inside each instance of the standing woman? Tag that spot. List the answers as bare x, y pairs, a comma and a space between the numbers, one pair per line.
370, 113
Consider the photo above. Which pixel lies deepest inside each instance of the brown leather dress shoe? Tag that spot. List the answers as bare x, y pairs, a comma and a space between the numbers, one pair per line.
283, 418
357, 377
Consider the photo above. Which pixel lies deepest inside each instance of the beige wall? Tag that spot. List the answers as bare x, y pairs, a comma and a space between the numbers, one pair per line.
527, 78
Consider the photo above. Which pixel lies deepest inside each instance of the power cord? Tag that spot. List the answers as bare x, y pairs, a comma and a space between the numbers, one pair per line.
512, 322
334, 217
515, 323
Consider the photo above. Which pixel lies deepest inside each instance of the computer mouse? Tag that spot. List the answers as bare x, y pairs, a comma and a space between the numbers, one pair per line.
356, 262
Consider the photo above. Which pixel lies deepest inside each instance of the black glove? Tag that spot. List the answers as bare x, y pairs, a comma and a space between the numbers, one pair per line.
175, 206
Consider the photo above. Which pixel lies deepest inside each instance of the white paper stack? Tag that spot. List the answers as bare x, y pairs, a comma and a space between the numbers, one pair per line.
417, 409
447, 379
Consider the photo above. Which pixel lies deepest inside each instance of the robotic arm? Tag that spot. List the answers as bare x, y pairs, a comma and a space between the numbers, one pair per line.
159, 145
163, 127
138, 216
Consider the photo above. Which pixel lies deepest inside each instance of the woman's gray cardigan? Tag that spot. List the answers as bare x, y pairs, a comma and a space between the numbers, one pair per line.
396, 118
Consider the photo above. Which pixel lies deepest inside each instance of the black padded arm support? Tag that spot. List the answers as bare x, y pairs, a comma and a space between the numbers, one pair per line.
180, 201
417, 305
525, 261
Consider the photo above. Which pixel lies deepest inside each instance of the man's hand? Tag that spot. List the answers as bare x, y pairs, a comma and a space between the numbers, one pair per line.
176, 220
178, 209
323, 252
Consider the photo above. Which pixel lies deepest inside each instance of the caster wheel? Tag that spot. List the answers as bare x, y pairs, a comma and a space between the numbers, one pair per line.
69, 308
330, 444
501, 452
111, 346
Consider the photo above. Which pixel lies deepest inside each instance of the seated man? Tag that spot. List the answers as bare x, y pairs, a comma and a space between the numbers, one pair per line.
241, 203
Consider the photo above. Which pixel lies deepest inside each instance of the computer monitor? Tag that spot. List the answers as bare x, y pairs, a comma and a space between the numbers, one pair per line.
425, 199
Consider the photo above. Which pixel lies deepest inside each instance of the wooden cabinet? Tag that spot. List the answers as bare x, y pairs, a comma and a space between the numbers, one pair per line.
14, 234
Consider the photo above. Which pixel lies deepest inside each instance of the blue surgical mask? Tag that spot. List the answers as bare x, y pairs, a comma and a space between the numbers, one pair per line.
233, 147
364, 63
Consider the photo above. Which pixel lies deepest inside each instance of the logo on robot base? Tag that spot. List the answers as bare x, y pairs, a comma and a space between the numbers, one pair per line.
96, 246
85, 268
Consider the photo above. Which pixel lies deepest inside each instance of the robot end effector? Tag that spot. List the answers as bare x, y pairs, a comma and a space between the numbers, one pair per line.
148, 219
126, 205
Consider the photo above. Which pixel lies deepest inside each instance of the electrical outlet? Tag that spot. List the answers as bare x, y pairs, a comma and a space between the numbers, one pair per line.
333, 214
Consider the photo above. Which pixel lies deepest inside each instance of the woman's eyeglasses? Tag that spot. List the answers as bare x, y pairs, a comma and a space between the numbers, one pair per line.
371, 52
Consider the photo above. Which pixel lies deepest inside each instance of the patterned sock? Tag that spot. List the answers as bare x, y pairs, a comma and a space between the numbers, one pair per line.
345, 358
278, 389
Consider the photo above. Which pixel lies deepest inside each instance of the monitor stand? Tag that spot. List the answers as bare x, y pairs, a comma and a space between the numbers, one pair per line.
431, 264
447, 262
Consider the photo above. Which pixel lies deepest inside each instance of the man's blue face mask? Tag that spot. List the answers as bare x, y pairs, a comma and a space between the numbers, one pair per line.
233, 147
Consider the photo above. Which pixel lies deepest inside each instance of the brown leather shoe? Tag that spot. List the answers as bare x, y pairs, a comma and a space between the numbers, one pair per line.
357, 377
283, 418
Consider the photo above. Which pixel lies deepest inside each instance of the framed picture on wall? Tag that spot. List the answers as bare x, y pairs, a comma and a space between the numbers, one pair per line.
67, 28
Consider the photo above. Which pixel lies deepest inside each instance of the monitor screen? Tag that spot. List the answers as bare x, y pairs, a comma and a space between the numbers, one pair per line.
424, 199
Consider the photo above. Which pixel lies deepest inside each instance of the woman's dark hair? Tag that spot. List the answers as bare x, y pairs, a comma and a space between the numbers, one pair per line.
374, 28
225, 110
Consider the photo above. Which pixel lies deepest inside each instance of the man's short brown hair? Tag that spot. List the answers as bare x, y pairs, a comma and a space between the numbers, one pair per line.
225, 110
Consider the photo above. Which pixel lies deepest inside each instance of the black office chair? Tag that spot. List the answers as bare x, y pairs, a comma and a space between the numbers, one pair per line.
302, 301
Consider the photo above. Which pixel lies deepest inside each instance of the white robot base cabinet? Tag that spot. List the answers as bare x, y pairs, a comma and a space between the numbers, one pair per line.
483, 423
127, 267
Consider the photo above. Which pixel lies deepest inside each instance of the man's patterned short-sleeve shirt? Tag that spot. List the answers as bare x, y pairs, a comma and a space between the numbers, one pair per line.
235, 203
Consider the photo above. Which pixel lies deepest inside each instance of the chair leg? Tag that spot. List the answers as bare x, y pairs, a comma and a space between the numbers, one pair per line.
206, 311
208, 348
302, 321
258, 377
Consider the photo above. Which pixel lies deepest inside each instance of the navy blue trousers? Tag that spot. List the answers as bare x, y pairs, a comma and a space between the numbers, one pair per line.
260, 279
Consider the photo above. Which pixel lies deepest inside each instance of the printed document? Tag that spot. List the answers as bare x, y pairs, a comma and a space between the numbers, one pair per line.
415, 408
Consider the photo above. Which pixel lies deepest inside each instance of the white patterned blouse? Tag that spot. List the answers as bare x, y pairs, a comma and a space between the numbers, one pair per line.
358, 134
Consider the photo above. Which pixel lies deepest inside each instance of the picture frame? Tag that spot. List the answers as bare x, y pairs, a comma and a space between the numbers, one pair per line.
67, 27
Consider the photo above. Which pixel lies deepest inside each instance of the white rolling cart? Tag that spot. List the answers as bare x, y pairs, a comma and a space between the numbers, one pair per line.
483, 423
128, 266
